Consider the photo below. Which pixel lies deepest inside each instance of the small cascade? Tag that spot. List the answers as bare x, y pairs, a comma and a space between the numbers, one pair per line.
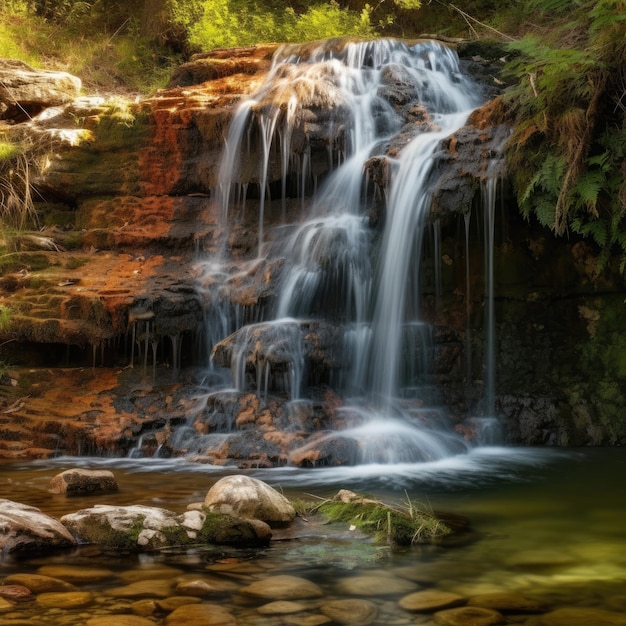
347, 134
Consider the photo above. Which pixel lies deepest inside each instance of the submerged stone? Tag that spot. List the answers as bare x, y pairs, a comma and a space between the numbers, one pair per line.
352, 612
469, 616
283, 587
430, 600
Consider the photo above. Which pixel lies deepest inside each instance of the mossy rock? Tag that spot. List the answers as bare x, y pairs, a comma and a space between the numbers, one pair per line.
387, 524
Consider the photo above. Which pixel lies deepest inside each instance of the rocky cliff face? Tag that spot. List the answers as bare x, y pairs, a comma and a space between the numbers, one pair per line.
111, 314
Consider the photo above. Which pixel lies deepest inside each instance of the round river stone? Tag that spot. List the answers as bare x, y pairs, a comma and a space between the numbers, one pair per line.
281, 607
75, 574
374, 585
506, 603
39, 584
352, 612
283, 587
582, 617
429, 601
468, 616
119, 620
200, 615
65, 599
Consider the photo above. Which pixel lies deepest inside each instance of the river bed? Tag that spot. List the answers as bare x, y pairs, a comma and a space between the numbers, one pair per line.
548, 524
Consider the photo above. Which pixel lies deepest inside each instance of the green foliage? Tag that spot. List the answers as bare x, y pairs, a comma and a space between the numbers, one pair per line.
227, 23
568, 149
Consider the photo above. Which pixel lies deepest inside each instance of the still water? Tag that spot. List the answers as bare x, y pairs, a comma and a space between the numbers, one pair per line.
549, 524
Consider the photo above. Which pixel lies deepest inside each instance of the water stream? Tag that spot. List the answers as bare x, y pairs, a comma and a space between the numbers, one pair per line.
323, 118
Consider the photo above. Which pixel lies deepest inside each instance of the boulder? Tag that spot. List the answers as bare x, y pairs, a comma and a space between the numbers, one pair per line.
249, 497
25, 91
81, 482
25, 528
140, 528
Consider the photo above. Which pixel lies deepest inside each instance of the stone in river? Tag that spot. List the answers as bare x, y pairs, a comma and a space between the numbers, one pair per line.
76, 573
6, 605
430, 600
173, 602
142, 589
65, 599
283, 587
245, 496
15, 592
281, 607
199, 588
582, 617
375, 585
38, 583
25, 528
507, 602
469, 616
82, 482
119, 620
200, 615
352, 612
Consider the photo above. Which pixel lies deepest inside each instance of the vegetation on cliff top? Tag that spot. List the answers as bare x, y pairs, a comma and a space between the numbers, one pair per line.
567, 69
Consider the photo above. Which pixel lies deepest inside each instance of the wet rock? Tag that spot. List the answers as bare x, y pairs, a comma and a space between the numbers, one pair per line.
174, 602
14, 592
143, 589
117, 620
150, 572
37, 583
249, 497
25, 91
327, 450
140, 528
430, 600
200, 615
80, 482
469, 616
283, 587
65, 599
580, 616
74, 574
375, 585
6, 605
199, 588
26, 529
281, 607
507, 602
350, 611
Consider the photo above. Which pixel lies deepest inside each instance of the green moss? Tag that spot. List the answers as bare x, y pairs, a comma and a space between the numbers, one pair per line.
76, 262
16, 261
385, 523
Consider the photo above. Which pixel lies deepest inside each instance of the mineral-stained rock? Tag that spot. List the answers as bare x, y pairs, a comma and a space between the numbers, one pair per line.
80, 482
249, 497
26, 529
38, 583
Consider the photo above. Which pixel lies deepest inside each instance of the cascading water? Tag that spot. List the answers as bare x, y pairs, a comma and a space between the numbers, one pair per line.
377, 112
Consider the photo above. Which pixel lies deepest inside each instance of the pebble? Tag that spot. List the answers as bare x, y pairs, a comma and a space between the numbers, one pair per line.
143, 589
281, 607
582, 617
430, 601
38, 583
283, 587
470, 616
119, 620
15, 592
507, 603
76, 574
65, 599
371, 585
351, 612
200, 615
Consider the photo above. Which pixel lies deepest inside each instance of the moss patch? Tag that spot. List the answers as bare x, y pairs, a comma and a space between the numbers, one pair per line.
386, 523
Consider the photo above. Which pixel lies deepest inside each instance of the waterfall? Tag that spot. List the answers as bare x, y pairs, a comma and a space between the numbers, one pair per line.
350, 132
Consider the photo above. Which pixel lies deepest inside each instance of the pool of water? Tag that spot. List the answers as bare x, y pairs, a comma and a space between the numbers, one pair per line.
549, 524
